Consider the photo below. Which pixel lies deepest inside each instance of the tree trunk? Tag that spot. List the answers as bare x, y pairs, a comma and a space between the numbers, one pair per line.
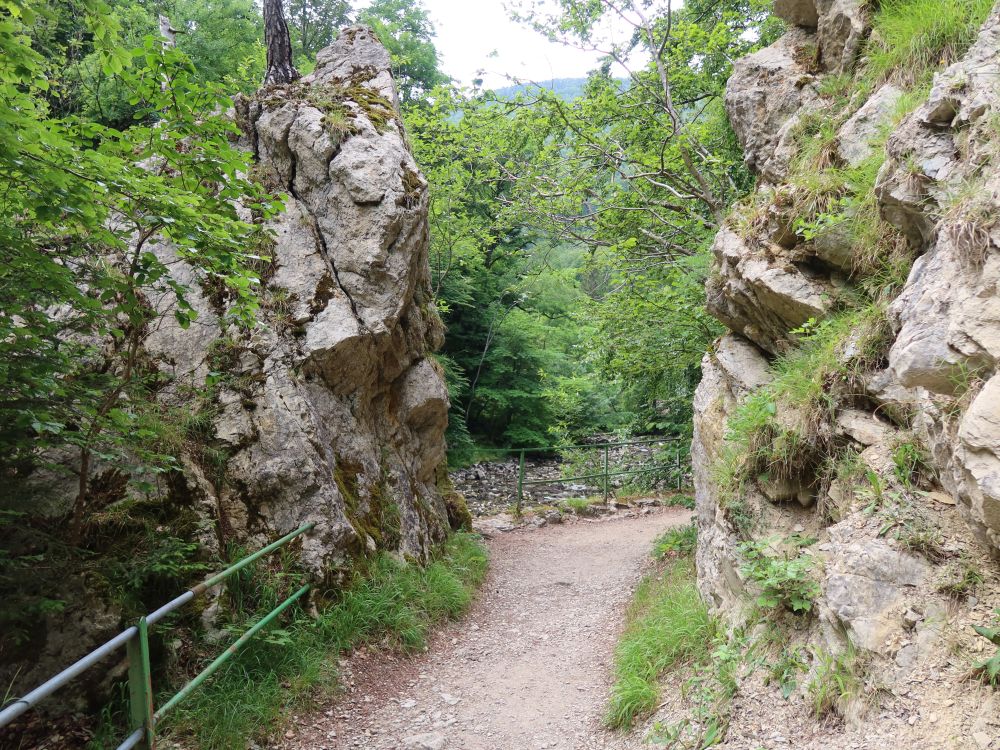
279, 45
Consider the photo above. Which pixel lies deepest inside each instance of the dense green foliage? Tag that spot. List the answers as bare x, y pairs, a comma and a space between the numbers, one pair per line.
82, 212
570, 235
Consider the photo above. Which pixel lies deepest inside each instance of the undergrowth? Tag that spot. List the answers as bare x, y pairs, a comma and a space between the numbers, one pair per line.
781, 432
387, 603
838, 682
784, 576
668, 627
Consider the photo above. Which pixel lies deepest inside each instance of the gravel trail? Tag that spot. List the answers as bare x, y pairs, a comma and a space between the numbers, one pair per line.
528, 668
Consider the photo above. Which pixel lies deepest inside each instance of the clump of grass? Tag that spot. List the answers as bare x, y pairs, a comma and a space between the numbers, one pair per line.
838, 682
912, 527
782, 431
389, 602
959, 578
911, 464
910, 38
668, 626
676, 542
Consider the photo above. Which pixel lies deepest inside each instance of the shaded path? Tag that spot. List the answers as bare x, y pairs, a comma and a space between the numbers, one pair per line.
527, 668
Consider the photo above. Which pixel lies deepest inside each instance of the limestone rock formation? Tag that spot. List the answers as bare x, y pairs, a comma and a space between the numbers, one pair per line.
925, 383
345, 422
331, 410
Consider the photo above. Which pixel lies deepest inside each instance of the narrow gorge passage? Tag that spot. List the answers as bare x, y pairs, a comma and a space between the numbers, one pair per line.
528, 667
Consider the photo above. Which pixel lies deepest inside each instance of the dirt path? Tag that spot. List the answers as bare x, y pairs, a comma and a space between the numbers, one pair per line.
527, 668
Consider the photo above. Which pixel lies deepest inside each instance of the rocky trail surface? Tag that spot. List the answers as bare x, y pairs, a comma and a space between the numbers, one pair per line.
528, 667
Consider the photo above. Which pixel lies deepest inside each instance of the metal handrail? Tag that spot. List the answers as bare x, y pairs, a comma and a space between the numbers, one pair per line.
551, 448
605, 475
135, 638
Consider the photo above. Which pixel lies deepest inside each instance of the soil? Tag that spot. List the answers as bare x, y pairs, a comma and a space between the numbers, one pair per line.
527, 668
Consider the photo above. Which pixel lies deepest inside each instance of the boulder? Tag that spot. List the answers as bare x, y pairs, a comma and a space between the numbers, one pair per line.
797, 12
841, 29
978, 456
332, 411
856, 136
764, 92
756, 294
866, 584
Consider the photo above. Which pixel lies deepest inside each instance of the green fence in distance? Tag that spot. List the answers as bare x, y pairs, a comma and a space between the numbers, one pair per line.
601, 479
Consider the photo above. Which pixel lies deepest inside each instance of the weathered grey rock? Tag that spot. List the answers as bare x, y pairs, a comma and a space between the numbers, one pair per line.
798, 12
949, 318
760, 297
344, 423
863, 427
979, 461
716, 556
765, 91
841, 29
856, 136
426, 741
926, 164
745, 367
866, 584
835, 245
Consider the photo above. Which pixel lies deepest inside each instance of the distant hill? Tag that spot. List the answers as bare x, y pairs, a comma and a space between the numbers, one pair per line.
565, 88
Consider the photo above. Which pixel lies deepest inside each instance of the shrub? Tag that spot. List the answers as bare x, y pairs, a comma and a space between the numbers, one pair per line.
785, 580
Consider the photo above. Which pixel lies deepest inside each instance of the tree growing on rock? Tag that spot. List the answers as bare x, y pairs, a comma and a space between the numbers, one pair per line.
279, 45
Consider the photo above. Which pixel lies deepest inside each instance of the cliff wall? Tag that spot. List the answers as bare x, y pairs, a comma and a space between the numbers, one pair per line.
850, 419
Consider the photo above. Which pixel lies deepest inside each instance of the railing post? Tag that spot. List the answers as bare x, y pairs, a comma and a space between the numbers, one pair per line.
677, 464
520, 484
140, 686
606, 484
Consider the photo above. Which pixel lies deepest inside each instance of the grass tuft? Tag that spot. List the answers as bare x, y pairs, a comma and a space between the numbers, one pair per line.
668, 626
910, 38
837, 686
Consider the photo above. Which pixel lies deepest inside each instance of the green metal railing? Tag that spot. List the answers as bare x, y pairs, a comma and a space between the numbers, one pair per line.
606, 474
144, 719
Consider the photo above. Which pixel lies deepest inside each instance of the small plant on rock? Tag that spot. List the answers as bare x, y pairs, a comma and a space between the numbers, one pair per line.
960, 578
989, 670
911, 462
785, 579
784, 672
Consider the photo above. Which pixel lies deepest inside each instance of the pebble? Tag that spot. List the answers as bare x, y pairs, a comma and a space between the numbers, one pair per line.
428, 741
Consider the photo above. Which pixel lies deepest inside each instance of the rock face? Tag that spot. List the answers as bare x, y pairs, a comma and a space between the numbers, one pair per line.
344, 425
933, 383
331, 410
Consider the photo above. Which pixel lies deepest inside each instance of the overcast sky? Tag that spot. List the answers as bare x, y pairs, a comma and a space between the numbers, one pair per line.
469, 30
